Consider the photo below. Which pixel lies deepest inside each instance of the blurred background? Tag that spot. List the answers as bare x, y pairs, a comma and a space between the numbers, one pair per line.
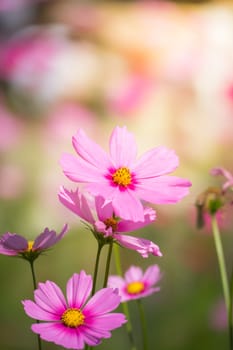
164, 69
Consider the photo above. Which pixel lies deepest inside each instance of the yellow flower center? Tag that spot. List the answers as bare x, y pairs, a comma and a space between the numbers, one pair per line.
122, 177
135, 287
30, 246
111, 222
73, 318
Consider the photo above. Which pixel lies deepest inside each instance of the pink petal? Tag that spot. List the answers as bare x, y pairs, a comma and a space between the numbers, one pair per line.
164, 189
77, 203
145, 293
78, 289
127, 226
8, 252
220, 171
123, 148
156, 162
103, 210
90, 337
116, 282
103, 301
142, 246
50, 297
69, 338
152, 275
102, 189
133, 274
93, 334
127, 206
78, 170
108, 322
15, 242
90, 151
35, 311
45, 239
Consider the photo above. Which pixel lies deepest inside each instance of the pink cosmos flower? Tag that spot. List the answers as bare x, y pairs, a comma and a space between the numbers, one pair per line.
105, 222
16, 245
75, 322
219, 171
136, 284
120, 178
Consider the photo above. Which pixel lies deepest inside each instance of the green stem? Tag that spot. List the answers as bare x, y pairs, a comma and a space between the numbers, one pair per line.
108, 264
124, 305
143, 324
223, 273
100, 246
97, 260
34, 286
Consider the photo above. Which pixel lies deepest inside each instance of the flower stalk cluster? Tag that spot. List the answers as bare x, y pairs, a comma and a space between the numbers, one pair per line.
117, 192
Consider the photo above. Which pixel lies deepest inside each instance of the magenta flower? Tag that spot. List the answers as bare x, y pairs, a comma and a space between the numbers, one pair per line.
75, 322
135, 284
219, 171
16, 245
120, 178
107, 224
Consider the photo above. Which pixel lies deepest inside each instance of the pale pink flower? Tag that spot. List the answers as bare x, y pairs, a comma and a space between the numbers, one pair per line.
120, 178
16, 245
220, 171
136, 284
103, 220
74, 322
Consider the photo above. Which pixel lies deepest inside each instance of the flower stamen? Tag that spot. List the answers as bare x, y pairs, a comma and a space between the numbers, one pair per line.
122, 177
111, 222
30, 246
135, 287
72, 318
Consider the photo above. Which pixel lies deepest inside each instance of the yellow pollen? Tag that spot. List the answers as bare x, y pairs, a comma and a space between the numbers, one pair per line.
30, 246
122, 177
73, 318
135, 287
111, 222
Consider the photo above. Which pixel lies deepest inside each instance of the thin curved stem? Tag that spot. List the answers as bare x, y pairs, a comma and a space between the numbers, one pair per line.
143, 324
223, 273
125, 307
221, 261
100, 246
108, 264
34, 286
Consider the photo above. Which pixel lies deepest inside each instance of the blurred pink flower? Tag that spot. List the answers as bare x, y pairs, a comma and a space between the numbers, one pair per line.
28, 56
129, 95
75, 322
218, 316
66, 117
11, 128
136, 284
13, 244
120, 178
220, 171
105, 222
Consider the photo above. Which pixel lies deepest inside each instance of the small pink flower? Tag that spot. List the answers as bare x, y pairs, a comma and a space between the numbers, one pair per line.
75, 322
15, 245
103, 220
219, 171
120, 178
136, 284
